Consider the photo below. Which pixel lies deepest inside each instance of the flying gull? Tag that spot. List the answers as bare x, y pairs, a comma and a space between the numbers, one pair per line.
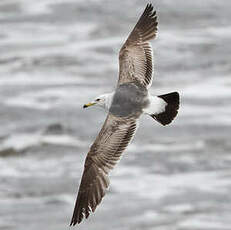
125, 105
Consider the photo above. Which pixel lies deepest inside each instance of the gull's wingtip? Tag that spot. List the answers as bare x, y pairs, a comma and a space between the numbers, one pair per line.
150, 6
72, 223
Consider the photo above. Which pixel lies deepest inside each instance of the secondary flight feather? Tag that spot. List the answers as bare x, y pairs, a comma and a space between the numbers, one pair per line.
125, 105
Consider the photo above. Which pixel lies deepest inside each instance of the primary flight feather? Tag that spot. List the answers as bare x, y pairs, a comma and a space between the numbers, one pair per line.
130, 100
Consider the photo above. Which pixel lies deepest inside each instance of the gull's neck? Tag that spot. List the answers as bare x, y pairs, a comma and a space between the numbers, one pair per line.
108, 100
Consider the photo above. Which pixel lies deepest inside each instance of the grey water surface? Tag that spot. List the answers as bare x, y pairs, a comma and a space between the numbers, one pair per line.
56, 55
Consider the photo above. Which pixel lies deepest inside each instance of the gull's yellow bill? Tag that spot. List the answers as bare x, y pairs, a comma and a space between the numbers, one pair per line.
88, 104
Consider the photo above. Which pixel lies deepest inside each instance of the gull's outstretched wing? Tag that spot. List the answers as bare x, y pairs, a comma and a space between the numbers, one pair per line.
135, 57
112, 140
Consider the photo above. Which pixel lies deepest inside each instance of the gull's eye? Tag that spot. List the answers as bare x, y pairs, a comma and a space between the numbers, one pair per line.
98, 99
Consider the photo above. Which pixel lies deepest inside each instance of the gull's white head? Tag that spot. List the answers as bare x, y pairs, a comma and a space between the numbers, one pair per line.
104, 101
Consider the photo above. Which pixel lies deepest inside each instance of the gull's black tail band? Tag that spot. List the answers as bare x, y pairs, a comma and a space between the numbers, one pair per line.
171, 108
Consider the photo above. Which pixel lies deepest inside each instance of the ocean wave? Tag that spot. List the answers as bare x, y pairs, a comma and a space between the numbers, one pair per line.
53, 97
168, 147
170, 185
19, 143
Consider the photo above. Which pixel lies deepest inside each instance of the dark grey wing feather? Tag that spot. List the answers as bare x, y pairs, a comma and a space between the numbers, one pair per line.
135, 57
112, 140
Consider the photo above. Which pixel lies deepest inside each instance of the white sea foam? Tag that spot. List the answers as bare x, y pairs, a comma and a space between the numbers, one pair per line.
160, 186
38, 7
31, 167
44, 34
52, 97
40, 79
168, 147
17, 41
29, 41
20, 142
62, 140
192, 37
216, 87
63, 198
179, 208
23, 141
220, 32
205, 222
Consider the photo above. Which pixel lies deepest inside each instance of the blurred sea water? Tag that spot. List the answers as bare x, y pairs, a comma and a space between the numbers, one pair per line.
56, 55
